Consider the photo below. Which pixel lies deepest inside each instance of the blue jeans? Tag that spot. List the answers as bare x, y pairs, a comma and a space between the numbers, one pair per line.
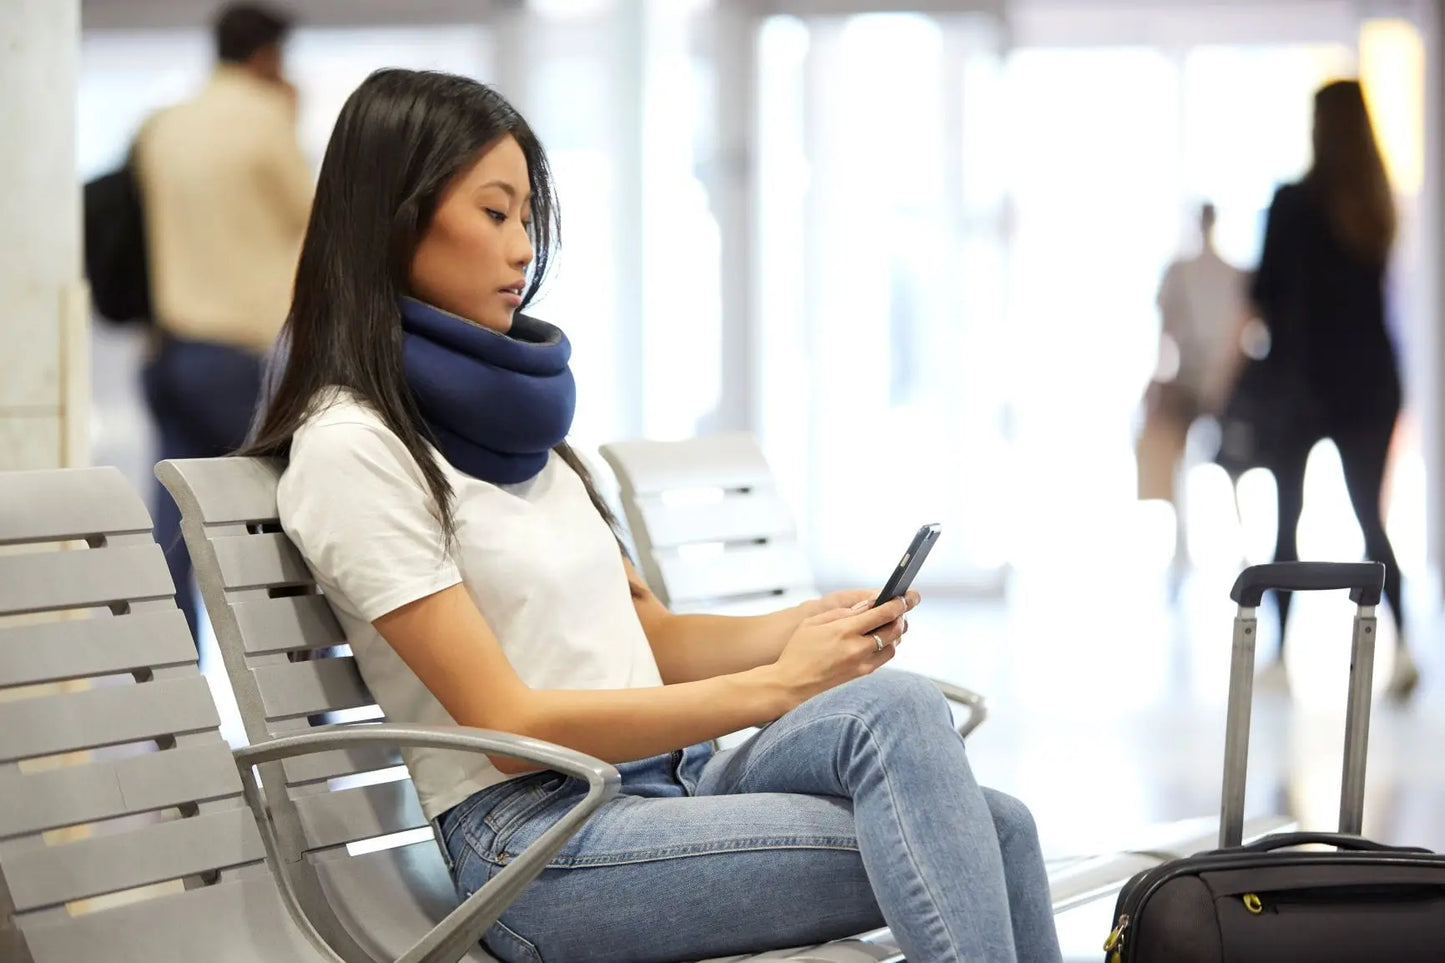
202, 397
856, 809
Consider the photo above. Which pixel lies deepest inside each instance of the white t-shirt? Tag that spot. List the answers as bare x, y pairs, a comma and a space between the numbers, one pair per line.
537, 559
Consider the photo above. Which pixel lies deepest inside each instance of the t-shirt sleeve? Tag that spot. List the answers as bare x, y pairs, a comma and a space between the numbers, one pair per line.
356, 504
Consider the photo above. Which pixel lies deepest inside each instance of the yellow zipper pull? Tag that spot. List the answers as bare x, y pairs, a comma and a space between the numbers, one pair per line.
1253, 903
1114, 945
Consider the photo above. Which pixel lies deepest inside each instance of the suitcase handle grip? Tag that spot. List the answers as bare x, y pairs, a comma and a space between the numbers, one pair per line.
1338, 840
1365, 580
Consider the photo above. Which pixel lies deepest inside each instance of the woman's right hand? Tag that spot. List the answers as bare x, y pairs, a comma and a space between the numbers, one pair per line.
839, 645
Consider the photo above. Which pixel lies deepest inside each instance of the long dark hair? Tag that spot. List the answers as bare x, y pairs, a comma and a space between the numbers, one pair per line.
1350, 174
399, 140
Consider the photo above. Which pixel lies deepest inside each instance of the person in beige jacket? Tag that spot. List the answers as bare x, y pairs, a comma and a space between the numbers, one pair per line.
1204, 308
226, 193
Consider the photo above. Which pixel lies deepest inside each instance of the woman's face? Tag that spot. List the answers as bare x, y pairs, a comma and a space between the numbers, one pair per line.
472, 260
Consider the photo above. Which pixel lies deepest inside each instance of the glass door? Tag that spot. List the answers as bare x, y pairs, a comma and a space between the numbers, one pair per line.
880, 274
959, 251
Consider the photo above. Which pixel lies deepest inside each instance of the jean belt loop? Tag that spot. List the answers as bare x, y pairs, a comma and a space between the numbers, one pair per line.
436, 828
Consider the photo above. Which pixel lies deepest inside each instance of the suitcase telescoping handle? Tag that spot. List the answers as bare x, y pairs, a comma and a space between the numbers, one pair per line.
1365, 580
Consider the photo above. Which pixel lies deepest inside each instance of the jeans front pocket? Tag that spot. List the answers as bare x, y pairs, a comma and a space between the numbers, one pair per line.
529, 795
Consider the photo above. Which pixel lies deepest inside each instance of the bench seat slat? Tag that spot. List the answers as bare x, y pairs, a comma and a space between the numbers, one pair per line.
183, 847
108, 716
71, 795
97, 646
82, 578
295, 689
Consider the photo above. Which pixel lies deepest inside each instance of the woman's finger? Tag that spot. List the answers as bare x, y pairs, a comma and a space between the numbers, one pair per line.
874, 659
875, 618
831, 615
894, 631
884, 639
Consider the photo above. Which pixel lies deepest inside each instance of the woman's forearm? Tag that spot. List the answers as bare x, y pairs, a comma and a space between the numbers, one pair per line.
618, 725
832, 647
689, 648
445, 641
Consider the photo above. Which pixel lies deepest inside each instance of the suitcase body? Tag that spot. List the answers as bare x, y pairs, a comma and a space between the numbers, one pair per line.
1267, 901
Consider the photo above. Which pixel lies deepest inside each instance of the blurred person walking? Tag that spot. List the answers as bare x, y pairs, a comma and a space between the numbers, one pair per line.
1331, 368
226, 193
1203, 306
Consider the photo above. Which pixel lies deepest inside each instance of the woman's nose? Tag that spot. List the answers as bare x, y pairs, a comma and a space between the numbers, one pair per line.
522, 253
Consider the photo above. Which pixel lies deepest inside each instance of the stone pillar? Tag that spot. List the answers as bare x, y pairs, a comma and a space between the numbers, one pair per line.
1430, 370
44, 313
734, 203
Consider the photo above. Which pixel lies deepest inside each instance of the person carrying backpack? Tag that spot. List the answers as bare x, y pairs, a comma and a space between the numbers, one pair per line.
222, 193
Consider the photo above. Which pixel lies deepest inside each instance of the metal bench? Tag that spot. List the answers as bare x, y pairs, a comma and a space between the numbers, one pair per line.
265, 607
129, 830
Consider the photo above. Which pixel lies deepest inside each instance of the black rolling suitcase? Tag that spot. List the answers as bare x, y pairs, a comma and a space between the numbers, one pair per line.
1358, 903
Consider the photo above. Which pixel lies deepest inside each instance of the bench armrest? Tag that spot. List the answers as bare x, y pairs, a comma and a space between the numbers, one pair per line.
463, 927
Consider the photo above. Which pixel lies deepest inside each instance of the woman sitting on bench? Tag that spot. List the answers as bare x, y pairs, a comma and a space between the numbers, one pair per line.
476, 572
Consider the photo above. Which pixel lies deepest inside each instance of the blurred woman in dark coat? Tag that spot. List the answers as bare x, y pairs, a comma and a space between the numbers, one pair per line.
1320, 289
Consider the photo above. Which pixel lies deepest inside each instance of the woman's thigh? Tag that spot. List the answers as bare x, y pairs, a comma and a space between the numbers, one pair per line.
808, 750
681, 878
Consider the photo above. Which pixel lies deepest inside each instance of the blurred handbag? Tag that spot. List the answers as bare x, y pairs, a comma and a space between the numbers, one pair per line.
1272, 408
1169, 410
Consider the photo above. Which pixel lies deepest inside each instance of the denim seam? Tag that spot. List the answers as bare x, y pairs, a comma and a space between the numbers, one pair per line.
512, 807
892, 800
457, 818
503, 829
474, 841
834, 844
501, 932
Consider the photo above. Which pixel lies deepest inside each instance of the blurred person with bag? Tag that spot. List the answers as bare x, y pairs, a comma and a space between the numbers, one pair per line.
226, 193
115, 247
1331, 370
1203, 307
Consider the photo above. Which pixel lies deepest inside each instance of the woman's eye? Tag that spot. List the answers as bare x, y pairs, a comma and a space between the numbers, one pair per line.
499, 216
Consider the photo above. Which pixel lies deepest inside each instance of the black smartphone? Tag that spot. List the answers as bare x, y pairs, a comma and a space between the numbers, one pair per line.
909, 564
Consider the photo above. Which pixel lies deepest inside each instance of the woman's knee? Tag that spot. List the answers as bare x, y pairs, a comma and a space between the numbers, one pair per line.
1012, 819
898, 698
